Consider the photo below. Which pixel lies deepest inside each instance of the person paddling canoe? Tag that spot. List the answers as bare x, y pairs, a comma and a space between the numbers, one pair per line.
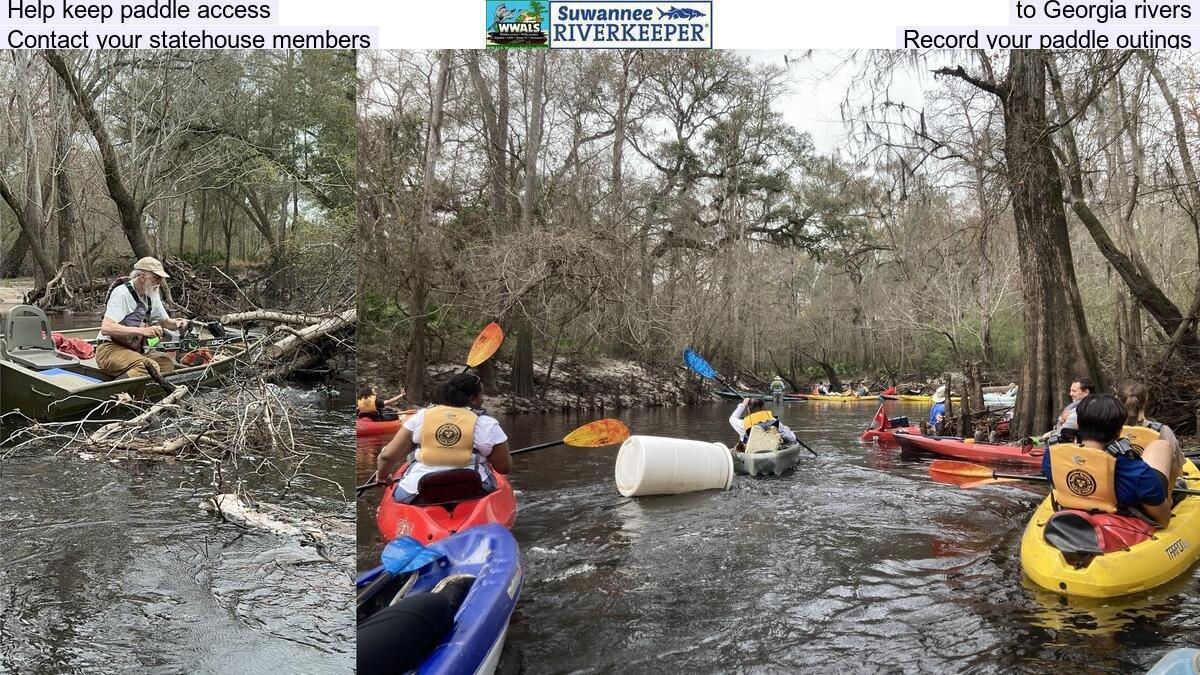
1104, 473
133, 315
751, 413
371, 406
455, 434
937, 412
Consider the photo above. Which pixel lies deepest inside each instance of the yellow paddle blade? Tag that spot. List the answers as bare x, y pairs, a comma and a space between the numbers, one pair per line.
953, 468
598, 434
486, 344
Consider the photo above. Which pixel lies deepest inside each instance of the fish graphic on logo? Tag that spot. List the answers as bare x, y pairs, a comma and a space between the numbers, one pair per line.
678, 13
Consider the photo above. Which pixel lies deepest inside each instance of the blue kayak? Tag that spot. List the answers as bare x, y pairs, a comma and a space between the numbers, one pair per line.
441, 608
1178, 662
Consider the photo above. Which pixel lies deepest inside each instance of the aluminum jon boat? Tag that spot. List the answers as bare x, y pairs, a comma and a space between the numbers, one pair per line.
56, 387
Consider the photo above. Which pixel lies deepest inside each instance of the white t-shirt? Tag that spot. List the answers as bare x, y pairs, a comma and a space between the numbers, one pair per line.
488, 435
121, 304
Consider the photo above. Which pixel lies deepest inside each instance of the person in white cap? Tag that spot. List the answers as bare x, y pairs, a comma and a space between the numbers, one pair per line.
133, 315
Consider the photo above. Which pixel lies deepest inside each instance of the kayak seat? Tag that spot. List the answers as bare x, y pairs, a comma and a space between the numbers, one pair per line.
1081, 536
449, 487
898, 422
29, 342
399, 637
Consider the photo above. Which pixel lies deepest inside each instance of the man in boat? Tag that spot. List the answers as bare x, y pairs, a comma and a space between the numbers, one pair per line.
1135, 396
1104, 473
862, 389
134, 314
455, 434
823, 390
1068, 424
777, 387
753, 412
371, 406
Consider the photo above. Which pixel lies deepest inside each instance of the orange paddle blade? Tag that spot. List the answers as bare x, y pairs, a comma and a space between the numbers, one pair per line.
987, 481
953, 468
486, 344
598, 434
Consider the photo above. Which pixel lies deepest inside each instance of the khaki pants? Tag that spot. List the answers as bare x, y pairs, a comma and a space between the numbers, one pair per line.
116, 360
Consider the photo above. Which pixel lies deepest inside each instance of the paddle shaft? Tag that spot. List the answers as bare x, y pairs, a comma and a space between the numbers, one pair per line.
541, 446
1043, 479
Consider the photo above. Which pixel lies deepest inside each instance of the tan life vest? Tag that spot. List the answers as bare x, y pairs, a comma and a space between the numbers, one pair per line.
366, 404
447, 437
1084, 478
1140, 437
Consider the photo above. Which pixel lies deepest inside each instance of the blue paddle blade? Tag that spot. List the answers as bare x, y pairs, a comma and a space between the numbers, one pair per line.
698, 364
405, 554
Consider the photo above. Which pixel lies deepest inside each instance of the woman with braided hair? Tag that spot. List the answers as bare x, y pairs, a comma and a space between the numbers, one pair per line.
456, 433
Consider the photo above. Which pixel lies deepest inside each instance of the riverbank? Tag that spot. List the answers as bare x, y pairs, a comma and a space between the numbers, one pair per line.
594, 385
12, 293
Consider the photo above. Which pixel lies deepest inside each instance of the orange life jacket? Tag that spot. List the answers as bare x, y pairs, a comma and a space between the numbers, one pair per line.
447, 436
366, 404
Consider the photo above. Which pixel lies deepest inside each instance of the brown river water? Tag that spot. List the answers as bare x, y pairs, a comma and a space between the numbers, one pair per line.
115, 567
856, 562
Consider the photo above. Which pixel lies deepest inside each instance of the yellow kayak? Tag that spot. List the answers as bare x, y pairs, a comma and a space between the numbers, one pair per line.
921, 398
839, 397
1168, 554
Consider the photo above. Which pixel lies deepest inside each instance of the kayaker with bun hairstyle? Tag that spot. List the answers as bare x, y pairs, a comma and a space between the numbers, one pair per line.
752, 412
1103, 473
372, 407
1164, 453
455, 433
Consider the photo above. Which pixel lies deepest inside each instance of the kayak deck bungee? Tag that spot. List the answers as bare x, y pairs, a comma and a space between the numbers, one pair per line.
488, 557
430, 522
1168, 553
958, 448
766, 463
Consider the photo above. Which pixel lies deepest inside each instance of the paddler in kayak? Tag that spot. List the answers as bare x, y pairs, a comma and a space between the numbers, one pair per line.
862, 389
751, 413
133, 315
1068, 425
1135, 396
454, 434
1103, 473
374, 408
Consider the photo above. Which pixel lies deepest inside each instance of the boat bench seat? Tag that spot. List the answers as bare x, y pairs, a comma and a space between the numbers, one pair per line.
69, 380
29, 342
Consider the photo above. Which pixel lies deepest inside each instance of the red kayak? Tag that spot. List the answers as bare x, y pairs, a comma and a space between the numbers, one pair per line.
365, 426
430, 522
958, 448
886, 436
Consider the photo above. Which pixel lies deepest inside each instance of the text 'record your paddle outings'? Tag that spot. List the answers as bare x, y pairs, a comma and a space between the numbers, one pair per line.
1071, 24
167, 24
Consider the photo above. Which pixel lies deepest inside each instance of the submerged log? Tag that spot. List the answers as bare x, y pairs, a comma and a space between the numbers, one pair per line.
107, 431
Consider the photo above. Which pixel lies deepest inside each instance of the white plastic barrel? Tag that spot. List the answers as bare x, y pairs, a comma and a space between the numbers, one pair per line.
653, 465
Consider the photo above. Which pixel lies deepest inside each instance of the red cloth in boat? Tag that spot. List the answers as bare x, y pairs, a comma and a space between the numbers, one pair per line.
73, 346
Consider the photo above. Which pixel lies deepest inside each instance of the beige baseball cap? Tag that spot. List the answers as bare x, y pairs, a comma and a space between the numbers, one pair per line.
149, 264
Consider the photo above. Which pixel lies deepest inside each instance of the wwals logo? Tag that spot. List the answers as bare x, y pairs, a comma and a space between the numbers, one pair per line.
515, 23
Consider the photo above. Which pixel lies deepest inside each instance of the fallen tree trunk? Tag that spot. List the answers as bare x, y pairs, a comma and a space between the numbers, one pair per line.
312, 333
272, 317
